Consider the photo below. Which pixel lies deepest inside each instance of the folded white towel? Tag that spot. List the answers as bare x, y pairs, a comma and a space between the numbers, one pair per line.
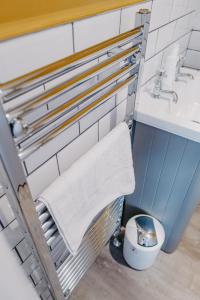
94, 181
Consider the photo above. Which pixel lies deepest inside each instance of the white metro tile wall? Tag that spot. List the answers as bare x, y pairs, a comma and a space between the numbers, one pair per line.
96, 29
27, 53
171, 22
128, 15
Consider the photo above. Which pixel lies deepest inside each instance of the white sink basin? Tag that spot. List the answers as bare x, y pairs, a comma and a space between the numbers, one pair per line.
183, 118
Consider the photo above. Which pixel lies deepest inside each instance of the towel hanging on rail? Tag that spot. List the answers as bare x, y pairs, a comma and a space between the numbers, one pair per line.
94, 181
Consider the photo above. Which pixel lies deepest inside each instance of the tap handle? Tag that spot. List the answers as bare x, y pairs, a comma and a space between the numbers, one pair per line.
161, 73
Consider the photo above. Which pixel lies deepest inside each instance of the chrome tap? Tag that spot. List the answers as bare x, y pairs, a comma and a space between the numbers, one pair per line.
158, 90
180, 74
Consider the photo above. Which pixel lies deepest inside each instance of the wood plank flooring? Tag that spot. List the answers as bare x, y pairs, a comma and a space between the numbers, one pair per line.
174, 276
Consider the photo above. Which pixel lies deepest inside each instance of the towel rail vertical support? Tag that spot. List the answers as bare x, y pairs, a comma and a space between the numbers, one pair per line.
142, 19
22, 203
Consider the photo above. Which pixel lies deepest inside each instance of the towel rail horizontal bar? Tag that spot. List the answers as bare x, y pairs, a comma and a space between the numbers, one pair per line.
24, 83
92, 234
71, 261
70, 105
73, 268
21, 110
26, 151
60, 251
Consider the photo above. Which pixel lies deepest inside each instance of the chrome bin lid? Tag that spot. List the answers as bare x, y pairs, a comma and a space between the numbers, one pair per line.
146, 231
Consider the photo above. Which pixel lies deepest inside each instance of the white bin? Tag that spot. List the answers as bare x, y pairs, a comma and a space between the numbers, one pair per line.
137, 256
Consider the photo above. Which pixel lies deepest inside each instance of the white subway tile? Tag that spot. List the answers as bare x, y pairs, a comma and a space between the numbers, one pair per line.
96, 29
192, 59
121, 112
165, 36
151, 67
45, 294
6, 212
40, 288
180, 8
36, 275
151, 44
117, 115
13, 233
30, 264
96, 114
180, 28
52, 147
183, 42
128, 16
195, 41
193, 5
161, 12
122, 95
23, 249
27, 53
77, 148
48, 172
196, 20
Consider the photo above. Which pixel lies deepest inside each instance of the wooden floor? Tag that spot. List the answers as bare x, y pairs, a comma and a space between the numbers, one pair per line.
173, 277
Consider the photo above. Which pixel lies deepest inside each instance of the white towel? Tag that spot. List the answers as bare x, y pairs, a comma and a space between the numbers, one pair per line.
94, 181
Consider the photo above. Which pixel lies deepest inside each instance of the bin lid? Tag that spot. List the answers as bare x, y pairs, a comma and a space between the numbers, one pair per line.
146, 232
132, 233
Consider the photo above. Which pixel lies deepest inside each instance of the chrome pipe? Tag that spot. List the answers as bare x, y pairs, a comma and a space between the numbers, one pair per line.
32, 80
27, 151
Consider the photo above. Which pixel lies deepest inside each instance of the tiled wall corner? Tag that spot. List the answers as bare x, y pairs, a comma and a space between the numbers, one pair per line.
193, 53
171, 23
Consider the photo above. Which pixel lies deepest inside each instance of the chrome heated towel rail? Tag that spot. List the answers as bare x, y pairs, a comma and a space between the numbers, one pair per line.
22, 136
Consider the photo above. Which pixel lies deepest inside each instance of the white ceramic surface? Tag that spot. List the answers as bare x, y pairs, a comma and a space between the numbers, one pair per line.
183, 118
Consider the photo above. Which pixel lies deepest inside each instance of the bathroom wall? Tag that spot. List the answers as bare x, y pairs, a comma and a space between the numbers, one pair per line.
171, 22
193, 52
24, 54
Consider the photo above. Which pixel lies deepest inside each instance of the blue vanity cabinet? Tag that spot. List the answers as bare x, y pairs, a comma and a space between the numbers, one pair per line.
167, 171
